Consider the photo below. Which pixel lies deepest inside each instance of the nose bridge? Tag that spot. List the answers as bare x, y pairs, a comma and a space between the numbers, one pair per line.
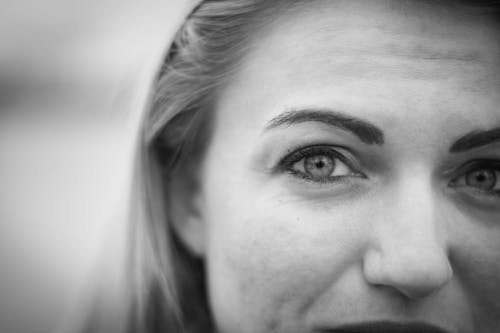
408, 251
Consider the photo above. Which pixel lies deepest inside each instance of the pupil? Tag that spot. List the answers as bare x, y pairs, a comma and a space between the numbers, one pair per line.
319, 166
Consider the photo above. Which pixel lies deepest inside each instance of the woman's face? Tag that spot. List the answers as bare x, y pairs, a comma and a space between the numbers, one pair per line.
353, 176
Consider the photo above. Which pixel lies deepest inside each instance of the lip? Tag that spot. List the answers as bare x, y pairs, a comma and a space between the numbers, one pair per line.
385, 327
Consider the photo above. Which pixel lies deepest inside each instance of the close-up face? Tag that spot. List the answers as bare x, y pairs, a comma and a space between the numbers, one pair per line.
352, 181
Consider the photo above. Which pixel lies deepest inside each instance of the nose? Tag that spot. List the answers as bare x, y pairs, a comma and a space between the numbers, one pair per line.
407, 252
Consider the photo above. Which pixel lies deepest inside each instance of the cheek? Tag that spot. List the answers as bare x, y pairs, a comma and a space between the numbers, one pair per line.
477, 265
269, 261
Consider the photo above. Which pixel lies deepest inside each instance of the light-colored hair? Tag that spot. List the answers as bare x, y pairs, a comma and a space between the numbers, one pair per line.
169, 281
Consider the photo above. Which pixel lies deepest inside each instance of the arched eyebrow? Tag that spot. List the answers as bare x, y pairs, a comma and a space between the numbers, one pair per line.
475, 139
365, 131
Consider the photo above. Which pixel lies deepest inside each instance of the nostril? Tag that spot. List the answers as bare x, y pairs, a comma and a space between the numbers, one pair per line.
413, 275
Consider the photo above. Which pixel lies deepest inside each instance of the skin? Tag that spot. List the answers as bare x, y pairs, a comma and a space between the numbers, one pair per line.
410, 240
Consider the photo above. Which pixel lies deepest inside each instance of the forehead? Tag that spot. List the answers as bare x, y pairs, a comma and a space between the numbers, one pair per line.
327, 52
380, 31
397, 28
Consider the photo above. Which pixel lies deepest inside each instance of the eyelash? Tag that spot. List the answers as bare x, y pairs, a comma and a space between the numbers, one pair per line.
491, 166
460, 180
300, 156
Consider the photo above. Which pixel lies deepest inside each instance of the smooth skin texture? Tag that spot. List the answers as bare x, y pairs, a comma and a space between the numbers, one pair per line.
401, 229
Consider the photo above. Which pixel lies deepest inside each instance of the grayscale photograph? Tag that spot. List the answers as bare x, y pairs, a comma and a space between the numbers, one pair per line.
250, 166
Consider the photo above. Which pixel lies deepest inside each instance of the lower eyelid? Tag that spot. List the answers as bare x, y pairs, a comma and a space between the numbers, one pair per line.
475, 192
340, 180
480, 201
326, 180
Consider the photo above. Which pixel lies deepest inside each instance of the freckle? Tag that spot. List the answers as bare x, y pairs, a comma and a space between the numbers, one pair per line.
271, 324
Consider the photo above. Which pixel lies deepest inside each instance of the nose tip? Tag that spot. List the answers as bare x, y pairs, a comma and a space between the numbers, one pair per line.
413, 272
408, 247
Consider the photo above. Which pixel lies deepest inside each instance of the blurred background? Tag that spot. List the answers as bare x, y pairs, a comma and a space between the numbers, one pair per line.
73, 78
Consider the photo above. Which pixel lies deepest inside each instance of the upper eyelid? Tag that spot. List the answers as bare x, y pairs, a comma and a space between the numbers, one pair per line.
462, 169
334, 149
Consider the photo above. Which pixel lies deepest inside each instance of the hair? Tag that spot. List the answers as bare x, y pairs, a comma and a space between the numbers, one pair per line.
205, 52
169, 280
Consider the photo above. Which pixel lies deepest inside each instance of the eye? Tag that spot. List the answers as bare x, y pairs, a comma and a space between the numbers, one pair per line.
319, 164
482, 176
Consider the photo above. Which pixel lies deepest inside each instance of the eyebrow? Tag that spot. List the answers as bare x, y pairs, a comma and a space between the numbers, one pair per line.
365, 131
476, 139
